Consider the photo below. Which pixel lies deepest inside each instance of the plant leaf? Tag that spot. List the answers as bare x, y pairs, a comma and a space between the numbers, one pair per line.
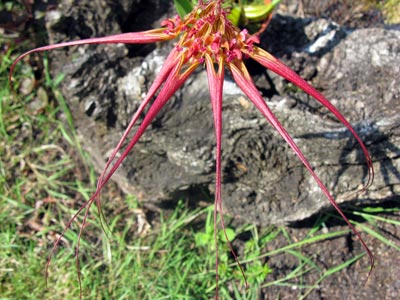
259, 12
183, 7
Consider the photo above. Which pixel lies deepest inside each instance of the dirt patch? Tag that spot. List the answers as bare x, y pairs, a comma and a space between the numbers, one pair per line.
349, 283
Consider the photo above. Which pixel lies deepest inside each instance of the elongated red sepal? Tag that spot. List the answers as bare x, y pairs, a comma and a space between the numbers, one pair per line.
174, 80
275, 65
215, 84
245, 82
171, 61
144, 37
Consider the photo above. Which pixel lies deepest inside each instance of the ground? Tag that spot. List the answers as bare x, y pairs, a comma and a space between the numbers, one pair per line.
349, 283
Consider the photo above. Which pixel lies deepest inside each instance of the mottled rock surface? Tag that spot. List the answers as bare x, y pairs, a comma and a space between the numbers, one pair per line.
264, 182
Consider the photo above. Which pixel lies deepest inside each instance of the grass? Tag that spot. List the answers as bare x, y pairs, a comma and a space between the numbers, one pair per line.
45, 176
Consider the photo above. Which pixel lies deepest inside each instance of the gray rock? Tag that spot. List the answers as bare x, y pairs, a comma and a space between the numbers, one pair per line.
264, 182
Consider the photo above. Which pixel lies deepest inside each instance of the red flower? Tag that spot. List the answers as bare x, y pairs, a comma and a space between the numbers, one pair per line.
207, 37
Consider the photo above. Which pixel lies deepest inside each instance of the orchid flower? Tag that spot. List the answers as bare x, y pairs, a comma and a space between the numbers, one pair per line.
206, 37
242, 13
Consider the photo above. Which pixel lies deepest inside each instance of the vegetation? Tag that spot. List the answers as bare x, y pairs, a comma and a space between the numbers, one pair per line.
45, 176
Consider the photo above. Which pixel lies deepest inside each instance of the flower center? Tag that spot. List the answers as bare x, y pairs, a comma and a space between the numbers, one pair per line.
207, 30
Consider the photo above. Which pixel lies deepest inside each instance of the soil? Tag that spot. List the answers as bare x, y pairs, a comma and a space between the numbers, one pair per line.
351, 282
384, 282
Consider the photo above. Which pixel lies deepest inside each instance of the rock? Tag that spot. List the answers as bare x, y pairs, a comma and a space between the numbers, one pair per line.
264, 182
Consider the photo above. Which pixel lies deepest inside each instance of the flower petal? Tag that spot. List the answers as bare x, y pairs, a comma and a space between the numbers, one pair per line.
275, 65
215, 84
171, 61
172, 83
245, 82
144, 37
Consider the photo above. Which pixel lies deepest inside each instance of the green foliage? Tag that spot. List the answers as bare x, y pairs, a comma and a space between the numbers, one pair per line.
42, 181
241, 13
391, 11
35, 170
256, 271
206, 238
258, 11
389, 8
183, 7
